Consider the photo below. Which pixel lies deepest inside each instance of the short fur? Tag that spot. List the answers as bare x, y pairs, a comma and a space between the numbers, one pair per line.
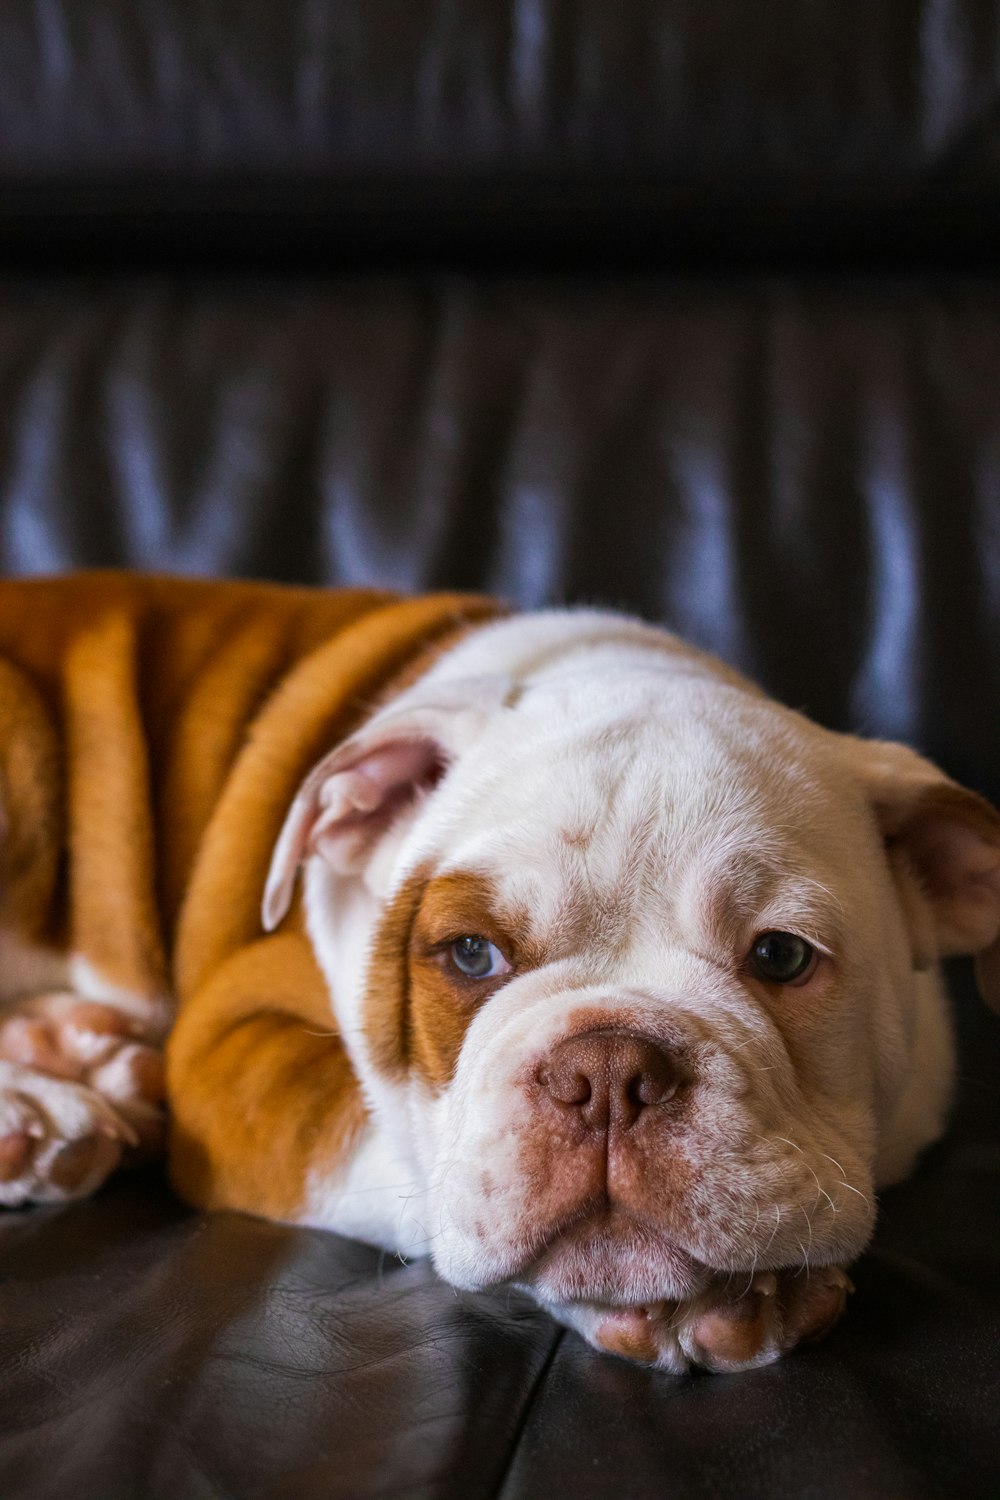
618, 815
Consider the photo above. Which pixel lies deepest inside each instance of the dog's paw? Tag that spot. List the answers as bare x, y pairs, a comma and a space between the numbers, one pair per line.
720, 1330
58, 1139
777, 1311
645, 1335
96, 1045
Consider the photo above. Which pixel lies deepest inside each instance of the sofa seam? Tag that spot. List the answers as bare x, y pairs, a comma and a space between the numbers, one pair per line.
529, 1403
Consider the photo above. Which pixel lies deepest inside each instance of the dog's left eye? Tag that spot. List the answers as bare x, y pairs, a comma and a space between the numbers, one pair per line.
781, 957
477, 958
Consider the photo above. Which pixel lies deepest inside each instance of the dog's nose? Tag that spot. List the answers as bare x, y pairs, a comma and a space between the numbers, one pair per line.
609, 1077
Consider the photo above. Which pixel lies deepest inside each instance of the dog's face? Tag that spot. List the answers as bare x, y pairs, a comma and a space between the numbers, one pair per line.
628, 975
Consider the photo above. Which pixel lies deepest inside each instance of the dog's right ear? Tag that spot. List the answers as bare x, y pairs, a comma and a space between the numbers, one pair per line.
943, 844
359, 791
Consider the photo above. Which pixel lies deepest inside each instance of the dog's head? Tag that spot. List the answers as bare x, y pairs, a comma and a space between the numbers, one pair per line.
636, 967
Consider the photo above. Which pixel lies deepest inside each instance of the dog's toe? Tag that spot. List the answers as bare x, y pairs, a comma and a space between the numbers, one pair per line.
16, 1147
772, 1315
815, 1305
58, 1138
81, 1164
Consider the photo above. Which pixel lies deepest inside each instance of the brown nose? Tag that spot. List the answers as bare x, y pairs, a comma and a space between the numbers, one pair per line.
609, 1077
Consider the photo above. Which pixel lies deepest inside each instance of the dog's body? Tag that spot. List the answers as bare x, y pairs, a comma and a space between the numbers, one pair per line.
606, 975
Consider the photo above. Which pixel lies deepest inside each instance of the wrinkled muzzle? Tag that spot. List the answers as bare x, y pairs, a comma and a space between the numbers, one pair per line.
628, 1157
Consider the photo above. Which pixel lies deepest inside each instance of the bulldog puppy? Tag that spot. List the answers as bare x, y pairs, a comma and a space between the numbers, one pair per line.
574, 961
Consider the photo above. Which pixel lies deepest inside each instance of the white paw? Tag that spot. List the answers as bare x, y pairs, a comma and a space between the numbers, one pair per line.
95, 1044
722, 1329
58, 1139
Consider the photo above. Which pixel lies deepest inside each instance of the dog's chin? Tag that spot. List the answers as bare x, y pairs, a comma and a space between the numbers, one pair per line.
604, 1257
618, 1265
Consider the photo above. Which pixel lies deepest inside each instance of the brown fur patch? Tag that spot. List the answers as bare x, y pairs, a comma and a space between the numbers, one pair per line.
31, 808
443, 1002
154, 732
387, 999
418, 1008
263, 1090
112, 865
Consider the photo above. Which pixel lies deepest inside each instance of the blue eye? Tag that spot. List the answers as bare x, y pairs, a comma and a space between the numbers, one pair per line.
477, 958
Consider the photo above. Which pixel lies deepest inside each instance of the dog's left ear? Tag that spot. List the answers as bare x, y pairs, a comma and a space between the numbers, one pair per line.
943, 843
357, 792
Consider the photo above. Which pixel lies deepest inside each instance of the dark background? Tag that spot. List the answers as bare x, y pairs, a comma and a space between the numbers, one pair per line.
687, 308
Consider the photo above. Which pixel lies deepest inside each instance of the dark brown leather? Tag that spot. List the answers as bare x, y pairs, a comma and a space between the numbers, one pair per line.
492, 131
801, 476
799, 470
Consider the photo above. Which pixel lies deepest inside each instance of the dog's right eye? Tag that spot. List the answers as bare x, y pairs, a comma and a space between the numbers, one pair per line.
477, 958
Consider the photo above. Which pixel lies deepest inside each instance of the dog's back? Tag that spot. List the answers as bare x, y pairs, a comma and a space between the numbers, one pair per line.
132, 708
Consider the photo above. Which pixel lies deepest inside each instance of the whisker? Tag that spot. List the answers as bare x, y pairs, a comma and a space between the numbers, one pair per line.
864, 1198
849, 1186
836, 1163
805, 1215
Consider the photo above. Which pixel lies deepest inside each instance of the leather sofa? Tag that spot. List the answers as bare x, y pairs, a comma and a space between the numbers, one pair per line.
686, 307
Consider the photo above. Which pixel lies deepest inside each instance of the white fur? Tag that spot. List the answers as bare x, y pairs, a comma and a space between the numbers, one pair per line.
688, 813
154, 1012
374, 1197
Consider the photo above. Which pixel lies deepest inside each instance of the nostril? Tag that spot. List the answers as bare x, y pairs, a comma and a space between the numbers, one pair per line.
565, 1085
577, 1090
648, 1088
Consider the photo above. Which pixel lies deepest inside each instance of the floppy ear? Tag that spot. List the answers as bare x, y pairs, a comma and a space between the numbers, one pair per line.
944, 846
356, 793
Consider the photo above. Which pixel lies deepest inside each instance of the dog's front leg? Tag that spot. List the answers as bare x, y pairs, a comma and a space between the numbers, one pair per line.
261, 1089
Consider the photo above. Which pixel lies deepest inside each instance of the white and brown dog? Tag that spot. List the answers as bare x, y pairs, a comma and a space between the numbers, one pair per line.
605, 975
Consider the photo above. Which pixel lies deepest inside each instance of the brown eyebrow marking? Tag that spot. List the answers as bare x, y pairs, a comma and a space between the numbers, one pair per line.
416, 1014
385, 1007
